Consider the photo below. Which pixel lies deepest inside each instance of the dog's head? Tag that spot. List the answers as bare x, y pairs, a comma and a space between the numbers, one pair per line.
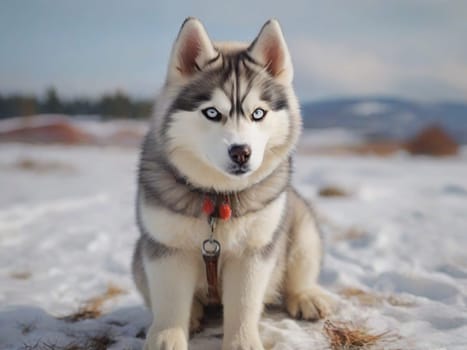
232, 116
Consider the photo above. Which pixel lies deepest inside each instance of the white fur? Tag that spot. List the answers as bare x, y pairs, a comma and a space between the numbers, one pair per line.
245, 282
250, 231
192, 138
171, 300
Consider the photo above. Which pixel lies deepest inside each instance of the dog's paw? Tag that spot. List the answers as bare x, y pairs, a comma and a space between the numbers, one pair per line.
310, 305
168, 339
196, 317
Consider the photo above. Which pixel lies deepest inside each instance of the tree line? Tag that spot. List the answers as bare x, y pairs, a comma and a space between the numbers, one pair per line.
116, 105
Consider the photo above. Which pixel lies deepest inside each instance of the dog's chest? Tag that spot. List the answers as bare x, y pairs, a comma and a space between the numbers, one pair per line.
253, 230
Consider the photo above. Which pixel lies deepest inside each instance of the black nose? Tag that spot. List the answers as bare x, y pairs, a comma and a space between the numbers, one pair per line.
240, 153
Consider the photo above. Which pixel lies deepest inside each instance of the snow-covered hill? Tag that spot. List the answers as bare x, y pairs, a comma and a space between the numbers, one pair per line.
396, 249
386, 117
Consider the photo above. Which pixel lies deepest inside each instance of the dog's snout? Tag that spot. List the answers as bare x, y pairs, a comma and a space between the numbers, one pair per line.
240, 153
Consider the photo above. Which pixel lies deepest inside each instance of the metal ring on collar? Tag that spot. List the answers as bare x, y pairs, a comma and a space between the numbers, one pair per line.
211, 247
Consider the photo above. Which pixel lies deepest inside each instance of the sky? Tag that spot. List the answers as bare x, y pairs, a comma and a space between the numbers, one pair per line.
409, 48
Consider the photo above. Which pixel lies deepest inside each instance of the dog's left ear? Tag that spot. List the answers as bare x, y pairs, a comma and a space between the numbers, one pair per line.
269, 49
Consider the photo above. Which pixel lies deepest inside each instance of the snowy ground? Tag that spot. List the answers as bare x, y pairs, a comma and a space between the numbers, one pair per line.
396, 256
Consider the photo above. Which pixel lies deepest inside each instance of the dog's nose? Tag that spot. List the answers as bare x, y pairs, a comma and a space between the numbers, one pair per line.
240, 153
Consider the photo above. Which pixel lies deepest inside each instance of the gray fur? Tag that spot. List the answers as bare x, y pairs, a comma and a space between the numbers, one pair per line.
162, 185
151, 247
154, 249
227, 76
313, 213
282, 230
139, 275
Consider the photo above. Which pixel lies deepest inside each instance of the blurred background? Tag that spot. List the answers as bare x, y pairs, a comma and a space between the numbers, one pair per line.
383, 158
385, 70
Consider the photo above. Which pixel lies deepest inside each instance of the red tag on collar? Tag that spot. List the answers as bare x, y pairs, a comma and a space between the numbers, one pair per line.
225, 212
208, 206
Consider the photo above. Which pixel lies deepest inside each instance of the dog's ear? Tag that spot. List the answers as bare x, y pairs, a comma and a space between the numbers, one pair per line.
191, 52
269, 49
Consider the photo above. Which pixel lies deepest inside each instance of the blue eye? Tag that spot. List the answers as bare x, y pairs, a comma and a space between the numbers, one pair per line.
212, 113
258, 114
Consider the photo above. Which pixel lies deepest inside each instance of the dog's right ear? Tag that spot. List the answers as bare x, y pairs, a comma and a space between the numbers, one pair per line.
269, 48
191, 52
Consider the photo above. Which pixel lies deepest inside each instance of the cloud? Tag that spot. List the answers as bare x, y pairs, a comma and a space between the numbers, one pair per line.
340, 68
325, 69
455, 73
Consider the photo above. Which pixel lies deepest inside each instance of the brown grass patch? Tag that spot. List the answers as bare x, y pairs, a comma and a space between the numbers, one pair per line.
40, 166
332, 191
432, 141
367, 298
88, 342
380, 148
27, 327
377, 148
62, 132
396, 300
352, 234
93, 307
21, 275
363, 297
126, 137
347, 336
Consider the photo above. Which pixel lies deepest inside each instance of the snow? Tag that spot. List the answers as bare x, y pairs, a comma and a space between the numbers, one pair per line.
67, 233
105, 129
369, 109
330, 137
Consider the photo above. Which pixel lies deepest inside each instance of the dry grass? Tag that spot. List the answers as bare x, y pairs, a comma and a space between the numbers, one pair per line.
367, 298
377, 148
347, 336
352, 234
57, 132
27, 327
89, 342
396, 300
332, 191
21, 275
42, 166
363, 297
93, 307
432, 141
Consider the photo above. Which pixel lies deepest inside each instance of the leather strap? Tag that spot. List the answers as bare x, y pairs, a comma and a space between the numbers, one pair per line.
211, 262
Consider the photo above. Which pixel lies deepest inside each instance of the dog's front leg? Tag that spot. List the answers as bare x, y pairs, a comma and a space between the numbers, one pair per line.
245, 279
171, 282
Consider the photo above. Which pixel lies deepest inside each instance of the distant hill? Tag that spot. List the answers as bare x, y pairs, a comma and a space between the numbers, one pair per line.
386, 118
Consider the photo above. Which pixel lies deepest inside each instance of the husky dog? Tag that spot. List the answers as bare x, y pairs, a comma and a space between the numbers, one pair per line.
226, 124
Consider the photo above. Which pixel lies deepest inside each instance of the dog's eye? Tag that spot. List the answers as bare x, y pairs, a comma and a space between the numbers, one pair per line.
212, 113
258, 114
